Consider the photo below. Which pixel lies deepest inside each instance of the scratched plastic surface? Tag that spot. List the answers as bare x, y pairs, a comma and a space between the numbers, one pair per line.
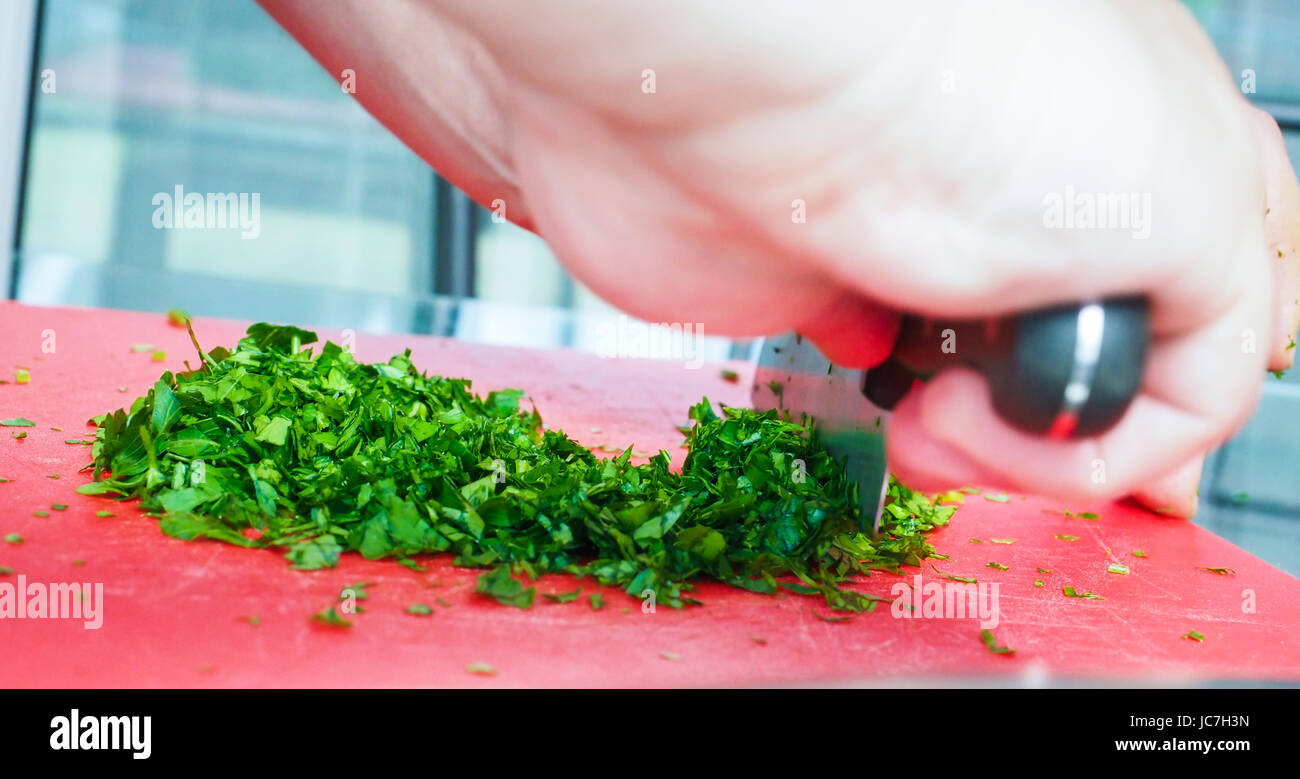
175, 612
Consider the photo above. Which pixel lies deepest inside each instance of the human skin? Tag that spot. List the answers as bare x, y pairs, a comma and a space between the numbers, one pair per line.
922, 142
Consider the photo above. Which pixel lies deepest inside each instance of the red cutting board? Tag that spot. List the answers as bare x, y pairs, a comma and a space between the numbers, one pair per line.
175, 612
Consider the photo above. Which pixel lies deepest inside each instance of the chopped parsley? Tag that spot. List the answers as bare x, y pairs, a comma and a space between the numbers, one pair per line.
272, 446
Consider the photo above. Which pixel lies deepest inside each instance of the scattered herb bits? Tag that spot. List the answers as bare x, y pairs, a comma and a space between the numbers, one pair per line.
1070, 592
563, 597
1193, 635
1117, 568
992, 643
332, 618
419, 610
505, 589
14, 538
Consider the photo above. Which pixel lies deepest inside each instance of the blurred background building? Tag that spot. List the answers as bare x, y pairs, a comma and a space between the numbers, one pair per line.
104, 103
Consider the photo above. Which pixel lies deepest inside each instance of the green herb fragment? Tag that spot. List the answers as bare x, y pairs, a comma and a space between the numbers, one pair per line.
41, 514
142, 348
482, 669
1044, 570
969, 490
332, 618
3, 480
1139, 553
103, 514
975, 540
1038, 583
22, 376
756, 639
673, 656
178, 317
356, 591
315, 454
1070, 592
14, 538
419, 610
253, 620
57, 429
1193, 635
159, 355
825, 618
1220, 571
505, 589
597, 602
442, 602
955, 578
1000, 497
999, 566
59, 506
6, 570
1122, 570
992, 643
78, 562
730, 376
1003, 540
19, 436
52, 476
1066, 537
17, 422
563, 597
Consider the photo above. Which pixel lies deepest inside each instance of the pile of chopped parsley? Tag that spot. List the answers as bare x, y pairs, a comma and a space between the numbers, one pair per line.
273, 446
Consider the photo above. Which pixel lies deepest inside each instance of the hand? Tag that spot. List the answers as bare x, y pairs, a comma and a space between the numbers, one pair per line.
922, 147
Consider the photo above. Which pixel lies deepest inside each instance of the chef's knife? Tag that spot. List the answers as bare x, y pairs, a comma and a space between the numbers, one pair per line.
1061, 372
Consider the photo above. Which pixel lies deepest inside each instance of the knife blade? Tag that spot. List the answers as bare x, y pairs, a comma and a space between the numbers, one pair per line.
794, 375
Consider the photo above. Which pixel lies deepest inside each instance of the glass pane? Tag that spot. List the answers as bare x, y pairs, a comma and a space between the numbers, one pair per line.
1259, 36
144, 105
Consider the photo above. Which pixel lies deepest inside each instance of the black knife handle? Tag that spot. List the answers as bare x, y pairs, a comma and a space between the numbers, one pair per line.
1065, 371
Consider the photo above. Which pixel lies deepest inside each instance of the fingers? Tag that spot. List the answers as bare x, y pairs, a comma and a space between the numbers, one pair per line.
853, 332
1197, 389
1282, 232
1175, 493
